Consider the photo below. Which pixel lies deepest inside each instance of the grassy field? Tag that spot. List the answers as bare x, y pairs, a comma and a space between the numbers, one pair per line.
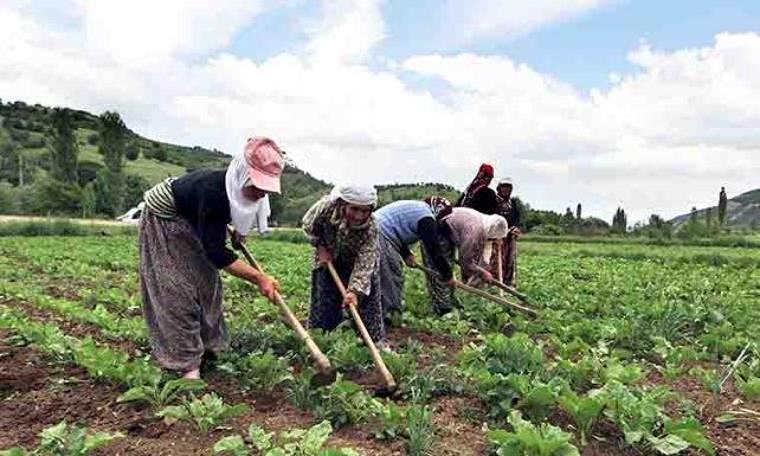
637, 350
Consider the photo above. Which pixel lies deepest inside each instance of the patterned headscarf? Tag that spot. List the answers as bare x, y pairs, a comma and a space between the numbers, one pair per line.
482, 179
440, 206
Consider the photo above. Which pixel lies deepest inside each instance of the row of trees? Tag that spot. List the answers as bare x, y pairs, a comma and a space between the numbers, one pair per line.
66, 189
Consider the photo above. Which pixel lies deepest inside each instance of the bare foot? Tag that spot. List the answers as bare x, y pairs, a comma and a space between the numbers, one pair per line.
194, 374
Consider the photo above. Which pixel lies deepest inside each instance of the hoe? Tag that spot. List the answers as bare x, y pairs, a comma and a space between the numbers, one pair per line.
325, 372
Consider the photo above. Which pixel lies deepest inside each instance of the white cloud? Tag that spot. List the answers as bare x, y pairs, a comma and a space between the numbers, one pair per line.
147, 32
347, 31
661, 139
474, 19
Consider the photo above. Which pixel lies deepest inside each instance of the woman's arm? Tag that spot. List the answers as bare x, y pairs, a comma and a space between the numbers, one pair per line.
267, 285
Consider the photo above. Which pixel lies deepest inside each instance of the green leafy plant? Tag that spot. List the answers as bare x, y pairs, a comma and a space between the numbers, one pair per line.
584, 410
750, 388
206, 413
301, 392
420, 430
159, 396
261, 371
65, 440
500, 354
295, 442
346, 403
527, 439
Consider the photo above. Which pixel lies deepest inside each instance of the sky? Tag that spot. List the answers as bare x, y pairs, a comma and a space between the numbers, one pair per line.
647, 105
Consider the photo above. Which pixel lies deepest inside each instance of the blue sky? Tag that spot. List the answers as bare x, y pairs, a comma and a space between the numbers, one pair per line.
401, 91
582, 52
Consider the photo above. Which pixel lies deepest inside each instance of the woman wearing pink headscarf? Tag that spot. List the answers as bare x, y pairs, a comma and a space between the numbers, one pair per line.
183, 233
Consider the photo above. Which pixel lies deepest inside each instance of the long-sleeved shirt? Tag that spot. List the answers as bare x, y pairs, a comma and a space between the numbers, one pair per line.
483, 200
325, 226
404, 223
508, 209
201, 198
466, 230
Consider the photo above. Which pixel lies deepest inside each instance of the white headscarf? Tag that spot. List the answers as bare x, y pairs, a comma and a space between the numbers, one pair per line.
496, 226
505, 181
242, 210
361, 195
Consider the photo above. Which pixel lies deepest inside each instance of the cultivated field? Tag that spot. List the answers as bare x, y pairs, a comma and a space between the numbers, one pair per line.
638, 350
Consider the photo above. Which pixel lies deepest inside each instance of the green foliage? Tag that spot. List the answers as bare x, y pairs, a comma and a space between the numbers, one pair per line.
527, 439
295, 442
205, 413
159, 396
58, 227
65, 440
102, 362
135, 187
261, 371
109, 192
132, 151
346, 403
504, 355
65, 149
300, 391
584, 410
53, 197
420, 430
9, 199
113, 138
620, 221
156, 152
750, 388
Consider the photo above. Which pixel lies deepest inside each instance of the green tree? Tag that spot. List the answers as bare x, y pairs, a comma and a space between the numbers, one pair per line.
156, 152
53, 197
579, 211
109, 192
709, 218
89, 201
132, 152
722, 205
136, 186
110, 183
113, 140
619, 221
65, 149
8, 198
694, 217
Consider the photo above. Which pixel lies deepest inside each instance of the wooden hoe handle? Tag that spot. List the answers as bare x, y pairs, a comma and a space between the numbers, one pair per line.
323, 364
481, 293
379, 363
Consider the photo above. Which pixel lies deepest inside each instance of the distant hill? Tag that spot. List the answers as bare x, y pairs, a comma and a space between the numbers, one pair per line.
742, 212
29, 129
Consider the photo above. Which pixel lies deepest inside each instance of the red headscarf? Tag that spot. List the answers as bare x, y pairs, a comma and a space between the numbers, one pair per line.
482, 179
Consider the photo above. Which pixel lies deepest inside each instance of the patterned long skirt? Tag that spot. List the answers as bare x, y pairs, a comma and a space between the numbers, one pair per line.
441, 295
181, 293
391, 277
327, 303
